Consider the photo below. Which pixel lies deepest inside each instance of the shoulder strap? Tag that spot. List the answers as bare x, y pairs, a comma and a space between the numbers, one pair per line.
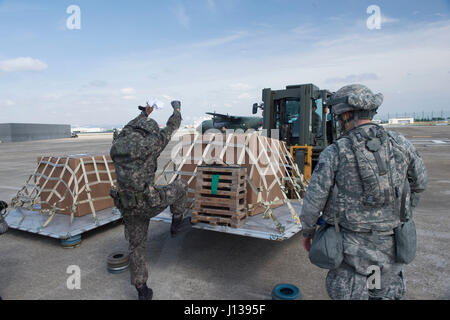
336, 220
335, 193
391, 180
403, 215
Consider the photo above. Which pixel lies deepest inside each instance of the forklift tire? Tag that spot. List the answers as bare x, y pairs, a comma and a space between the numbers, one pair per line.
286, 292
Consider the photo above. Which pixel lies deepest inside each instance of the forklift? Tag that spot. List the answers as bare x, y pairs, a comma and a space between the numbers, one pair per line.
288, 116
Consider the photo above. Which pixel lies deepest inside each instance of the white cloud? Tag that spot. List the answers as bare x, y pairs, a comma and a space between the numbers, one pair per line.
244, 96
7, 103
386, 20
307, 30
353, 78
52, 96
167, 97
128, 91
211, 4
22, 64
182, 17
240, 86
129, 97
229, 82
98, 83
221, 40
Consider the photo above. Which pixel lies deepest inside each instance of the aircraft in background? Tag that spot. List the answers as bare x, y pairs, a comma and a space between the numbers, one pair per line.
223, 122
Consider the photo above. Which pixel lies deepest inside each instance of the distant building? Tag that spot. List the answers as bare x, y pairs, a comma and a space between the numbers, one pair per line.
16, 132
401, 120
88, 130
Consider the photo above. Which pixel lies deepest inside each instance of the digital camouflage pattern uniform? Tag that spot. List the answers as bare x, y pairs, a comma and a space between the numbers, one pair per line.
3, 224
135, 152
366, 226
115, 134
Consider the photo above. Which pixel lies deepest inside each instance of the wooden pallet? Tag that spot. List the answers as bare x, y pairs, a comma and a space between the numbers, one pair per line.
228, 206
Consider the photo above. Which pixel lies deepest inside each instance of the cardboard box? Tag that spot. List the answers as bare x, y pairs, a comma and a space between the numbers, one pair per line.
70, 179
251, 151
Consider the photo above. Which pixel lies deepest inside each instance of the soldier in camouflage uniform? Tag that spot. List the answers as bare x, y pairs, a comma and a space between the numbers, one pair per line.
135, 152
361, 179
3, 224
115, 134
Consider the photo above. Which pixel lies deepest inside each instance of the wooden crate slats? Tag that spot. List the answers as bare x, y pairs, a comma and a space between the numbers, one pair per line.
227, 206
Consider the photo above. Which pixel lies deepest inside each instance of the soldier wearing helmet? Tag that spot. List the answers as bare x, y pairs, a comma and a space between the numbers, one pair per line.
135, 152
362, 184
3, 224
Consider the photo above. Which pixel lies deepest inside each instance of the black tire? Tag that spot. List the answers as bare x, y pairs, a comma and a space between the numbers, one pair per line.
117, 270
118, 259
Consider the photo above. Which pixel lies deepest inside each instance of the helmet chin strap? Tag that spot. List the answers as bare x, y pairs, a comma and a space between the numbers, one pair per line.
355, 119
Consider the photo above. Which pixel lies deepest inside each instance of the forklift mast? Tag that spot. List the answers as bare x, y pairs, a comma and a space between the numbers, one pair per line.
290, 112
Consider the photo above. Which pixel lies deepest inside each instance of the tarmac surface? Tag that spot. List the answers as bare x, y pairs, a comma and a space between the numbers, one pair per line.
203, 264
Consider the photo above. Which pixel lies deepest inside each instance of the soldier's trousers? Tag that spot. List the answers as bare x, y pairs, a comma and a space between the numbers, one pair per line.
363, 251
137, 223
3, 225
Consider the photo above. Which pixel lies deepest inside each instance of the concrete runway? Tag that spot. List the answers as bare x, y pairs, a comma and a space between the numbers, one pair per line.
202, 264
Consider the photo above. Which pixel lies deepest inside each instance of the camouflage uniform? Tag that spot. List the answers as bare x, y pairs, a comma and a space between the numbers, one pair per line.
3, 224
137, 197
367, 229
115, 134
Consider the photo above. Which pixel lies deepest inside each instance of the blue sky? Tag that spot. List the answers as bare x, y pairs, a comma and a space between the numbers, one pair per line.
213, 55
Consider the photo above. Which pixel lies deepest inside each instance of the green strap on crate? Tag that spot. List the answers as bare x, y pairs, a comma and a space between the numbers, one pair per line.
214, 183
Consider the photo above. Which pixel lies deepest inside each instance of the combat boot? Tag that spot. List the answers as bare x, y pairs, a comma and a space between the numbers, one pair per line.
179, 224
144, 292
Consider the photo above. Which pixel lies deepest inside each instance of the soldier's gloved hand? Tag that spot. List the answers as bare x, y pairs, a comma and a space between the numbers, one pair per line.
176, 105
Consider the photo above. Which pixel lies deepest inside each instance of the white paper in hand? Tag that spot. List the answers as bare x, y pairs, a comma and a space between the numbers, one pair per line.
152, 102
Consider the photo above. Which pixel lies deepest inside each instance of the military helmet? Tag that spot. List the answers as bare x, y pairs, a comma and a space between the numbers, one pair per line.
356, 98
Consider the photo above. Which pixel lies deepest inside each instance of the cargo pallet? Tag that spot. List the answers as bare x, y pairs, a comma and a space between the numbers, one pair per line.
65, 197
256, 226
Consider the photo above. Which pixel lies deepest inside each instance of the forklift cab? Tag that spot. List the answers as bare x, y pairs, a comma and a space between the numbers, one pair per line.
289, 116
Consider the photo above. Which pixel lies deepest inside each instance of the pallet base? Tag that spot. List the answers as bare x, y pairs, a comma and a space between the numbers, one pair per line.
216, 220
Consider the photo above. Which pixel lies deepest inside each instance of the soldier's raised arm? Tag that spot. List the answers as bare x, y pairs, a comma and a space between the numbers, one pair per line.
172, 124
319, 189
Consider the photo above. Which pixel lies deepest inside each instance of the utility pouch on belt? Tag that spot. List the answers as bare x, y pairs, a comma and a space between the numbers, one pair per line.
405, 234
126, 200
327, 250
154, 196
115, 195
